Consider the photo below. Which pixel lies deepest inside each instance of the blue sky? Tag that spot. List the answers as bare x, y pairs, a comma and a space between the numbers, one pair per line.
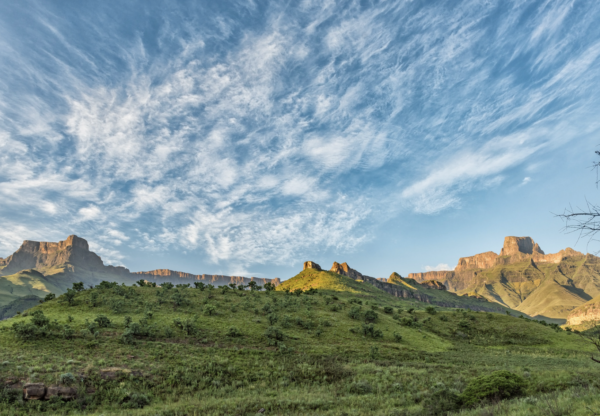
247, 137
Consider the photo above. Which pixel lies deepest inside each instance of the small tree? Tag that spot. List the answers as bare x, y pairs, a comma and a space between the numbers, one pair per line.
141, 283
200, 285
167, 285
269, 287
49, 297
233, 286
70, 296
252, 285
78, 287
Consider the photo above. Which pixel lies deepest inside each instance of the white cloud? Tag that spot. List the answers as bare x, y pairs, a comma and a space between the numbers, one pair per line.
438, 268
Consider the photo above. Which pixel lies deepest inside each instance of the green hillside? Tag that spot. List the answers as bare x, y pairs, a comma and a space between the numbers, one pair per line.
348, 349
327, 280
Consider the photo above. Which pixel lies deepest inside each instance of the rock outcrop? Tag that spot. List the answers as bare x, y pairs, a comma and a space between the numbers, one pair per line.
588, 312
162, 275
311, 265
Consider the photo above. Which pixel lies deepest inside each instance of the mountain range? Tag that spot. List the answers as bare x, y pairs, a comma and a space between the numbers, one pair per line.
524, 278
559, 287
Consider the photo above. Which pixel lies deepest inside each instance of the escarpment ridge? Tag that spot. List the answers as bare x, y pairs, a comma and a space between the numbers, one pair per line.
524, 278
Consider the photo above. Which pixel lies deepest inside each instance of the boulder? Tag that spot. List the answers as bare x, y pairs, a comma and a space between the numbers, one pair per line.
34, 391
64, 392
311, 265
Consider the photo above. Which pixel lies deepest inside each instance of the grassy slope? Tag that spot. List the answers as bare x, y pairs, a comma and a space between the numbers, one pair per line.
211, 373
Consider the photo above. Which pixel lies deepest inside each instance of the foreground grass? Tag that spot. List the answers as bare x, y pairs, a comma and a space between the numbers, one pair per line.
318, 367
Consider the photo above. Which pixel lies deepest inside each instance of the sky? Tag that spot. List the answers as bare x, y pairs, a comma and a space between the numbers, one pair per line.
246, 137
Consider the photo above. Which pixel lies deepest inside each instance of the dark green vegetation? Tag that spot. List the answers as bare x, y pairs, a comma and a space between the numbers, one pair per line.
219, 351
18, 305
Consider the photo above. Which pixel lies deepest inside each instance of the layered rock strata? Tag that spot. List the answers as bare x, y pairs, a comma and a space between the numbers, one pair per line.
162, 275
74, 251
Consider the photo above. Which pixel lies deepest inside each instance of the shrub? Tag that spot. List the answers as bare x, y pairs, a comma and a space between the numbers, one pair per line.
431, 310
78, 287
374, 352
182, 285
360, 387
38, 319
269, 287
68, 332
298, 292
410, 310
188, 326
167, 285
369, 330
107, 285
273, 334
141, 283
406, 321
335, 308
200, 285
234, 332
371, 316
272, 319
389, 310
102, 321
444, 318
464, 324
70, 297
136, 401
494, 387
8, 395
94, 299
67, 379
29, 331
397, 337
49, 297
354, 312
354, 300
127, 321
209, 310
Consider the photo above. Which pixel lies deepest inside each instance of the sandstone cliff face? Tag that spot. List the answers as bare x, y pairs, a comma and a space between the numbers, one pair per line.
311, 265
478, 261
74, 250
517, 245
162, 275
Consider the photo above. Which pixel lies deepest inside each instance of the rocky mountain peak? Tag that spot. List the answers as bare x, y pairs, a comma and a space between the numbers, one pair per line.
516, 245
36, 254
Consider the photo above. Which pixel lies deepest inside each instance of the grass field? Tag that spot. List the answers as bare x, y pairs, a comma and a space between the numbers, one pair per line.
186, 351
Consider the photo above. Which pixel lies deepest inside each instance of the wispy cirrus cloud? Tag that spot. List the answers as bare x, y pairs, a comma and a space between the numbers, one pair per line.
263, 135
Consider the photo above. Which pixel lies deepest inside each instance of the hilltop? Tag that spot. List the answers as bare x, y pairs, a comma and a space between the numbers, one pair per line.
524, 278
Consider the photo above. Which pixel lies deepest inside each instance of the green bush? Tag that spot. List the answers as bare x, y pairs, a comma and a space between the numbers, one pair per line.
8, 395
441, 401
431, 310
67, 379
273, 335
354, 312
361, 387
38, 319
494, 387
49, 297
200, 285
209, 310
78, 287
102, 321
397, 337
369, 330
371, 316
136, 401
234, 332
167, 285
389, 310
